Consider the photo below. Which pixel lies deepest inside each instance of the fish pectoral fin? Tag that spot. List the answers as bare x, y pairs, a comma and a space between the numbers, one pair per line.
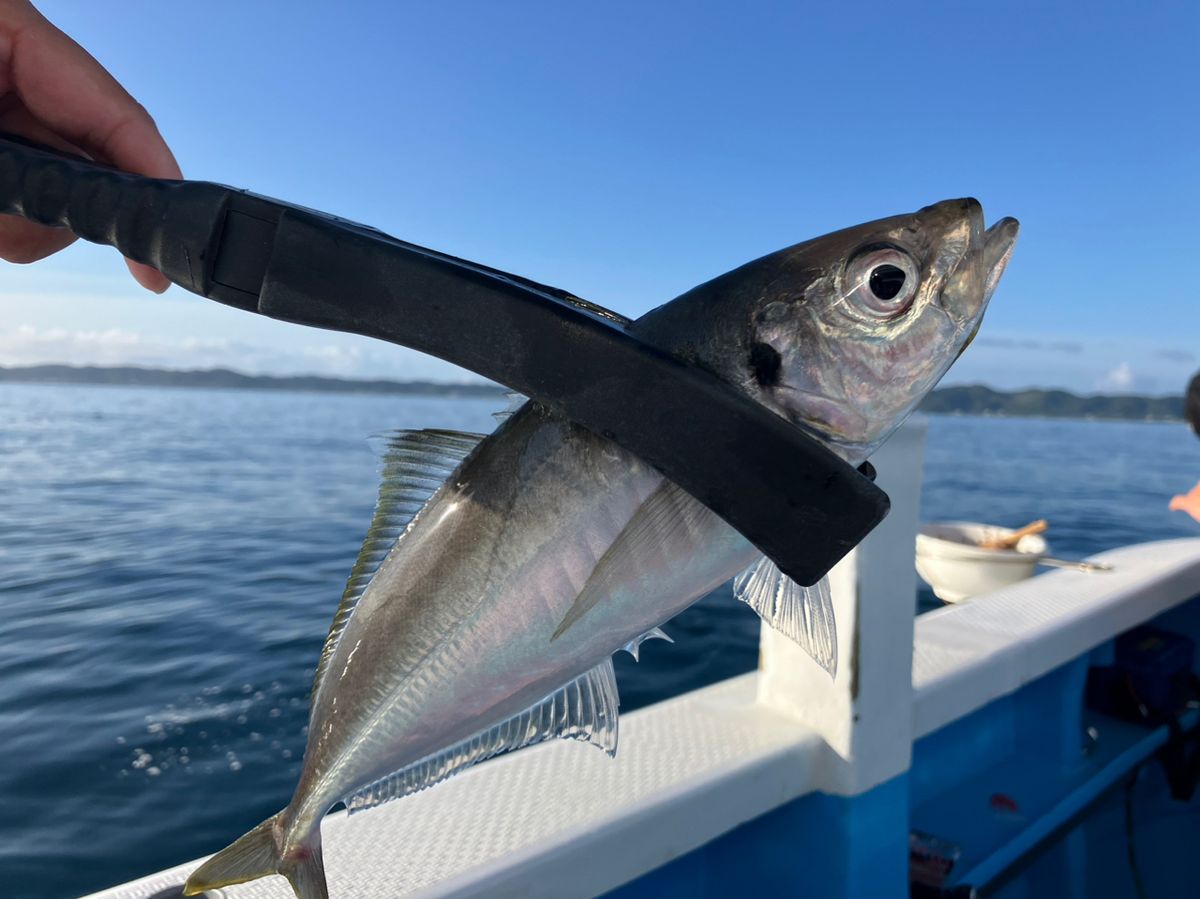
805, 614
585, 709
634, 645
413, 466
670, 525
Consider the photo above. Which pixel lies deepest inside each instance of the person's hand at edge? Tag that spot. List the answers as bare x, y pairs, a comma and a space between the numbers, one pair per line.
1187, 502
53, 92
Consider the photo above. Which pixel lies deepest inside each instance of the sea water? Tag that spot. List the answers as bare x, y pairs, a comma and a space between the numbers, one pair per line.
170, 561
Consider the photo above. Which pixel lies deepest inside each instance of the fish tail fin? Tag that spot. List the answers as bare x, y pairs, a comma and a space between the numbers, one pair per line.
259, 853
307, 874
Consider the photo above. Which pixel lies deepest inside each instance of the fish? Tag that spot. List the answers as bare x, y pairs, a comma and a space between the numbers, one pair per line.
501, 573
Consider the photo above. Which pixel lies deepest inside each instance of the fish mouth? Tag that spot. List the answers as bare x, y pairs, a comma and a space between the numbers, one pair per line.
972, 258
999, 241
989, 248
963, 233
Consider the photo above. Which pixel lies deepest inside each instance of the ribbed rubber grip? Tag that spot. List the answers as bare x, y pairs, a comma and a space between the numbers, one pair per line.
106, 206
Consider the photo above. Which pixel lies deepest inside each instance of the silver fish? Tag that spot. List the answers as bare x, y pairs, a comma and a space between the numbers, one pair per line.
502, 573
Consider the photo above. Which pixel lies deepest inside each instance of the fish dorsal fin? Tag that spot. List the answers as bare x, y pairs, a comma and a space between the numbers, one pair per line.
669, 525
805, 614
585, 709
413, 465
633, 647
515, 402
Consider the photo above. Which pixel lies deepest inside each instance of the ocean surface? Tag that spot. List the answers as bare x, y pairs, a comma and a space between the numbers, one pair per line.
170, 561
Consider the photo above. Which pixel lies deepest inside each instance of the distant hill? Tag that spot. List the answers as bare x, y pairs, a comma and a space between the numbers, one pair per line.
971, 400
980, 400
223, 378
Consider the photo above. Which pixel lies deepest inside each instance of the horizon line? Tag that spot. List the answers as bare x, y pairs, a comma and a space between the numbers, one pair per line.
476, 382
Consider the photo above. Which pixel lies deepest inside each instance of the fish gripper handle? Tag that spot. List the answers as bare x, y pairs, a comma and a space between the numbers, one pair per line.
785, 491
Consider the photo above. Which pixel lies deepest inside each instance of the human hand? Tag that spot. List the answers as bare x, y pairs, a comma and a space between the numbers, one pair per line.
1188, 502
53, 92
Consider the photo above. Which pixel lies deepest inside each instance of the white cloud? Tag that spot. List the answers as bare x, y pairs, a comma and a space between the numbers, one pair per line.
27, 345
336, 358
49, 317
1082, 364
342, 355
263, 346
1119, 378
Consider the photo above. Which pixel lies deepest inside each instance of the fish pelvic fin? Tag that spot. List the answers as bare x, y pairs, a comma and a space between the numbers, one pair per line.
260, 853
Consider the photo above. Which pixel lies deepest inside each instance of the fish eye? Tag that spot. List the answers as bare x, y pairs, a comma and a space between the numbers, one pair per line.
886, 281
882, 280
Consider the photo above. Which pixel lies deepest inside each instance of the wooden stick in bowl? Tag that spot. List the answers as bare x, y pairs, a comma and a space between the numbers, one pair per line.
1008, 541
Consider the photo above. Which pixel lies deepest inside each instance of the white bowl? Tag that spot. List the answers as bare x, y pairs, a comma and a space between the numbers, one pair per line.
951, 561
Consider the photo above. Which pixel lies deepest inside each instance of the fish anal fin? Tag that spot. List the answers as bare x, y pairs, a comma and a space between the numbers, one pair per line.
414, 465
804, 614
585, 709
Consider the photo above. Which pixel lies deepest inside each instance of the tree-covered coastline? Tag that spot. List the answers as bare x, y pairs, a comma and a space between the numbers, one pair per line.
980, 400
960, 400
226, 379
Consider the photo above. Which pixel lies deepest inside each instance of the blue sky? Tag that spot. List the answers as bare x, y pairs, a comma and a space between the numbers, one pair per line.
627, 151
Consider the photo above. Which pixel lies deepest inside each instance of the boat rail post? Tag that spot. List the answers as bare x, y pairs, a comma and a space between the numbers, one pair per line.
864, 714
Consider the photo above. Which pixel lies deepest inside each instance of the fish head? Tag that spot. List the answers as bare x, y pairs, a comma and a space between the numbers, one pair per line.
845, 334
883, 311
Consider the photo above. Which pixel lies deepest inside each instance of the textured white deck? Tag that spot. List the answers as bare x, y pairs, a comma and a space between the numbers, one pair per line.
967, 655
562, 820
545, 809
